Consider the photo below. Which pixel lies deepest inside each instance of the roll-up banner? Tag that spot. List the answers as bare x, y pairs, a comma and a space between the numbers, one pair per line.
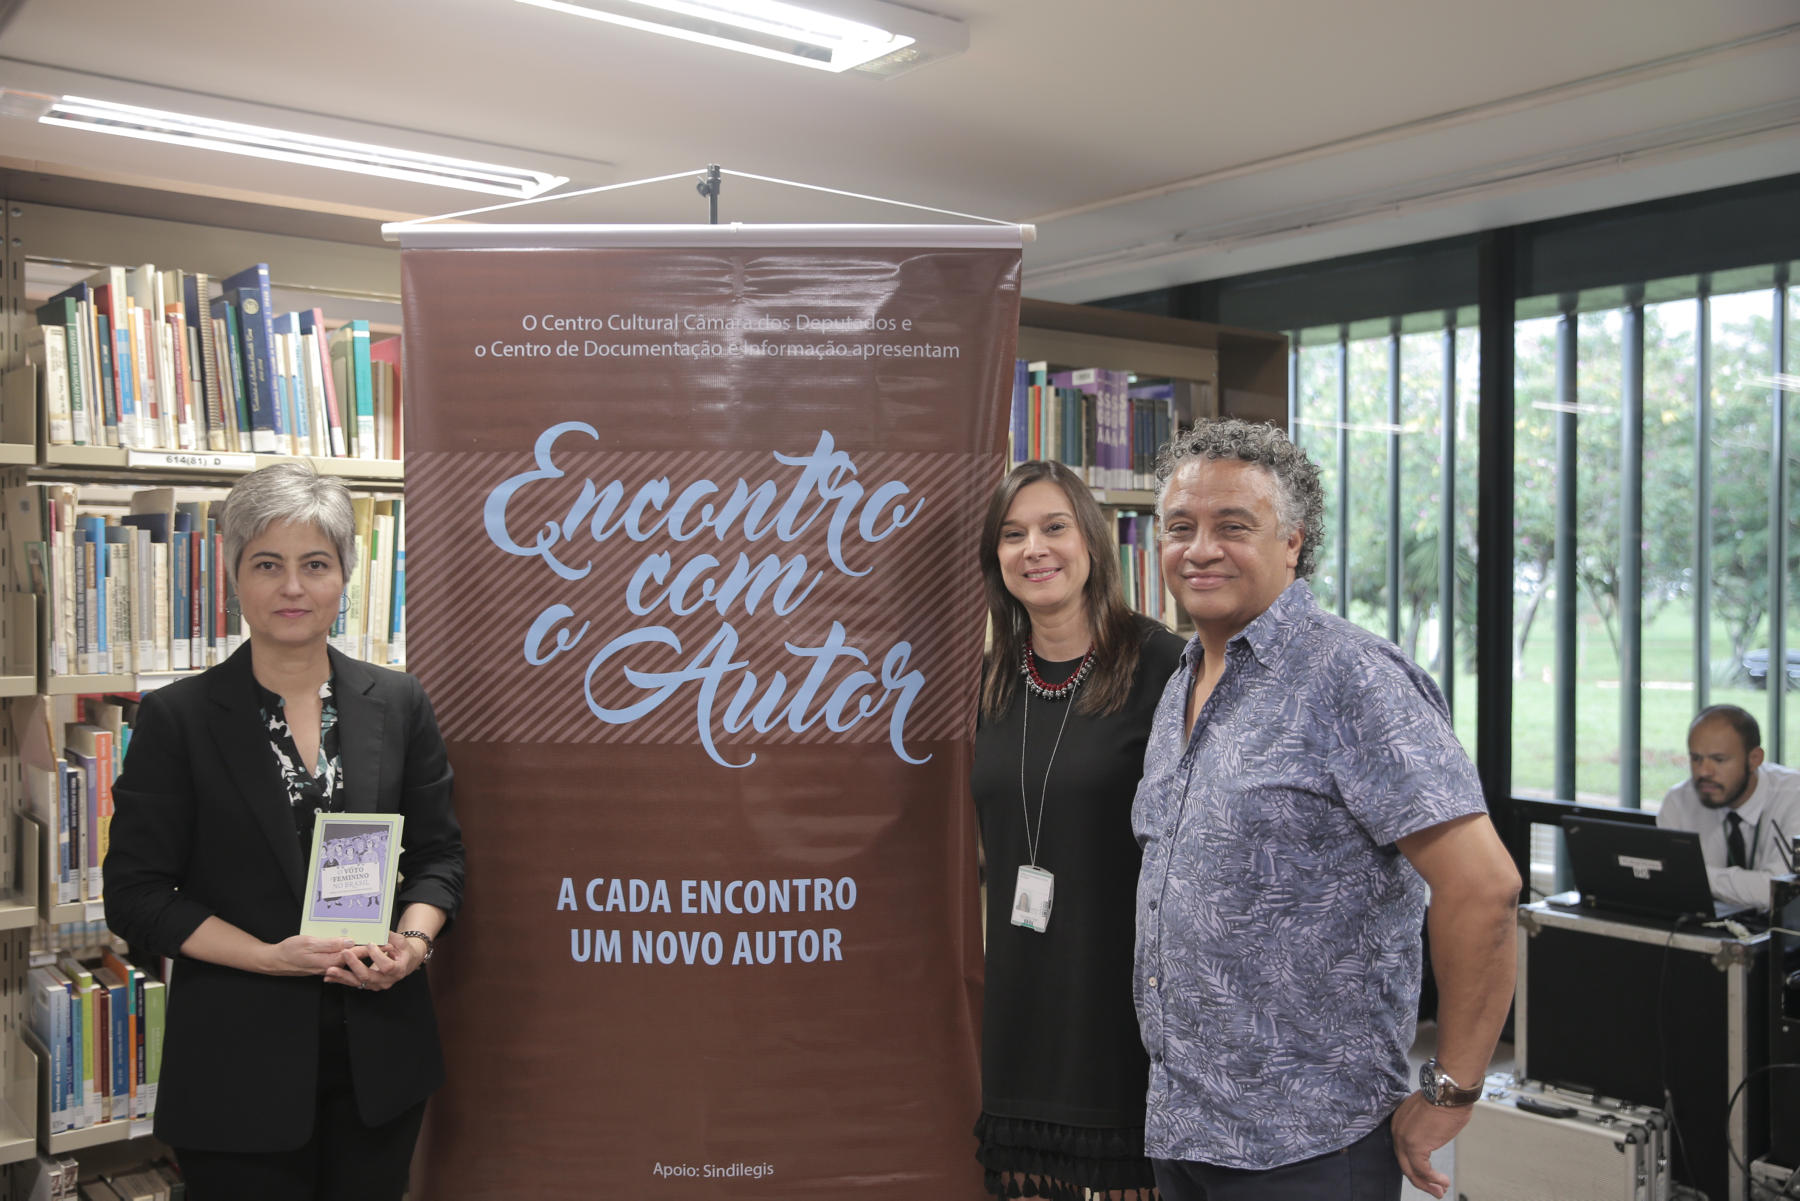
692, 584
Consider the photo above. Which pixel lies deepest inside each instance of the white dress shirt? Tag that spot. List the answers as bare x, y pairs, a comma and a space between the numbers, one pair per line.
1771, 816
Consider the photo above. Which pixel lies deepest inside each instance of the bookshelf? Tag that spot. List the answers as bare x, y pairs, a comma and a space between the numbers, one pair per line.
1230, 372
18, 1103
45, 248
1198, 371
54, 232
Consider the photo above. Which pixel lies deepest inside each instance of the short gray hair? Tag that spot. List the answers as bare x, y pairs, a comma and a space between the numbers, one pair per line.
287, 492
1299, 498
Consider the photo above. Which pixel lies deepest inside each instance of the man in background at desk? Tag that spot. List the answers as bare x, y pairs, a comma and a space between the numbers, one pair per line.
1744, 809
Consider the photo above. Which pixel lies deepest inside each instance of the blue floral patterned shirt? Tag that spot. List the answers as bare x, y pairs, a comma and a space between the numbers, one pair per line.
1277, 964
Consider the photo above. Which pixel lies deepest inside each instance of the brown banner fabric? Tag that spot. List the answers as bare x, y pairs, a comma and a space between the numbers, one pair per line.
692, 585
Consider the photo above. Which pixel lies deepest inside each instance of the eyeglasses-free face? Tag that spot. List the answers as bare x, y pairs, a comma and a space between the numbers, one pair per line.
1225, 556
288, 585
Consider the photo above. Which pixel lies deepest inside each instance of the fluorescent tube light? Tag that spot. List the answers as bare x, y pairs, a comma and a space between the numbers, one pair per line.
257, 141
785, 32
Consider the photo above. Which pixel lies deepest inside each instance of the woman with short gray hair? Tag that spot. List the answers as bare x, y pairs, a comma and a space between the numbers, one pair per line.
286, 492
227, 774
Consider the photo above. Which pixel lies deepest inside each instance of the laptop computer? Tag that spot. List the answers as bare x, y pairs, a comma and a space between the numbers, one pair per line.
1643, 870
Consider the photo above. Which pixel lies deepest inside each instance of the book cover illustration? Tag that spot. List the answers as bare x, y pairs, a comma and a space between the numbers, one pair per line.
350, 878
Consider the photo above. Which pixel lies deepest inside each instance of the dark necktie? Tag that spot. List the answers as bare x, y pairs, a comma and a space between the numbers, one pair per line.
1734, 842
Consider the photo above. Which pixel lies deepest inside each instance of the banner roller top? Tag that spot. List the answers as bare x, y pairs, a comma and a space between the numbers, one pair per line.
413, 236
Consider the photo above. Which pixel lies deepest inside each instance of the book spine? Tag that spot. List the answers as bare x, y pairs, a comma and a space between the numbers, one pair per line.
301, 429
365, 389
119, 578
198, 297
107, 769
159, 588
103, 1049
197, 647
68, 879
139, 1099
180, 650
183, 374
131, 430
154, 1021
78, 1092
86, 604
231, 368
90, 1007
58, 405
356, 627
334, 417
109, 379
257, 329
65, 314
319, 423
81, 817
283, 407
106, 326
74, 806
121, 1051
143, 609
217, 558
144, 350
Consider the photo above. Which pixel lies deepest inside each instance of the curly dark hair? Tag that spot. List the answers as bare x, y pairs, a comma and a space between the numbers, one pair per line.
1299, 498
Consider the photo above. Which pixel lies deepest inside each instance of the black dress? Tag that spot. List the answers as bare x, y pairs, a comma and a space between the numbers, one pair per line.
1063, 1073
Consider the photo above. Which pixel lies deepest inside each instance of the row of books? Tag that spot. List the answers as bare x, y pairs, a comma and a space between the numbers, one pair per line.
148, 359
84, 939
154, 1182
1092, 420
1139, 569
100, 1028
48, 1179
145, 591
70, 751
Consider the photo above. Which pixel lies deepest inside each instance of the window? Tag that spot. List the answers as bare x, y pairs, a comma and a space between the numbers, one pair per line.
1620, 642
1388, 412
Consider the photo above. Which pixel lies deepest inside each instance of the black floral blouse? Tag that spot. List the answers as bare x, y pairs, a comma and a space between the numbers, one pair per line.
321, 790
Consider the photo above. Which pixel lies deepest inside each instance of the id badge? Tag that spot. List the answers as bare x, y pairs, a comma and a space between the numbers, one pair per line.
1031, 898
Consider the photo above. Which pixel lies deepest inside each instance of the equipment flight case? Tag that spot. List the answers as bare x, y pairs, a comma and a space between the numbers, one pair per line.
1656, 1015
1530, 1142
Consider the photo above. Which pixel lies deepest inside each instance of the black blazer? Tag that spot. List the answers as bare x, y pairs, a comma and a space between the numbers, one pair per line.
201, 827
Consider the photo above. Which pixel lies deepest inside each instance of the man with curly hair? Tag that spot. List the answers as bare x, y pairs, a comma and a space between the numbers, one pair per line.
1302, 787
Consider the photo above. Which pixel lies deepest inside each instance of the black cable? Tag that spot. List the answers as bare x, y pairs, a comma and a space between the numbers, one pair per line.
1662, 1046
1781, 841
1732, 1104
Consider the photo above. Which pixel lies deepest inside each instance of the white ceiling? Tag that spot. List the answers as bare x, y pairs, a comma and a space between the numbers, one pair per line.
1152, 143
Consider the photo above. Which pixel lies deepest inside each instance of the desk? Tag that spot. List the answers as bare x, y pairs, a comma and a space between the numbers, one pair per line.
1620, 1008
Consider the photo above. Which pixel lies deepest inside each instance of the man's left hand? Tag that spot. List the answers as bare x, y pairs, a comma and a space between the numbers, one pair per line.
1421, 1128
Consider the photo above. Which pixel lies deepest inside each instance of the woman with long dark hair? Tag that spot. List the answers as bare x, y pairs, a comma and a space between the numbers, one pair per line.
1070, 684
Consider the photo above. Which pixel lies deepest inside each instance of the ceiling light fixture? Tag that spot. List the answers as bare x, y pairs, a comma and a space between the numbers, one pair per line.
258, 141
788, 33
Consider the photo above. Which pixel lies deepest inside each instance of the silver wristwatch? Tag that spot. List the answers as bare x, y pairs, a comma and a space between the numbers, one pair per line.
1440, 1089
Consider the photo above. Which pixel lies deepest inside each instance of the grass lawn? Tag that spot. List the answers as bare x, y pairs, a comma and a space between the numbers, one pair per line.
1668, 704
